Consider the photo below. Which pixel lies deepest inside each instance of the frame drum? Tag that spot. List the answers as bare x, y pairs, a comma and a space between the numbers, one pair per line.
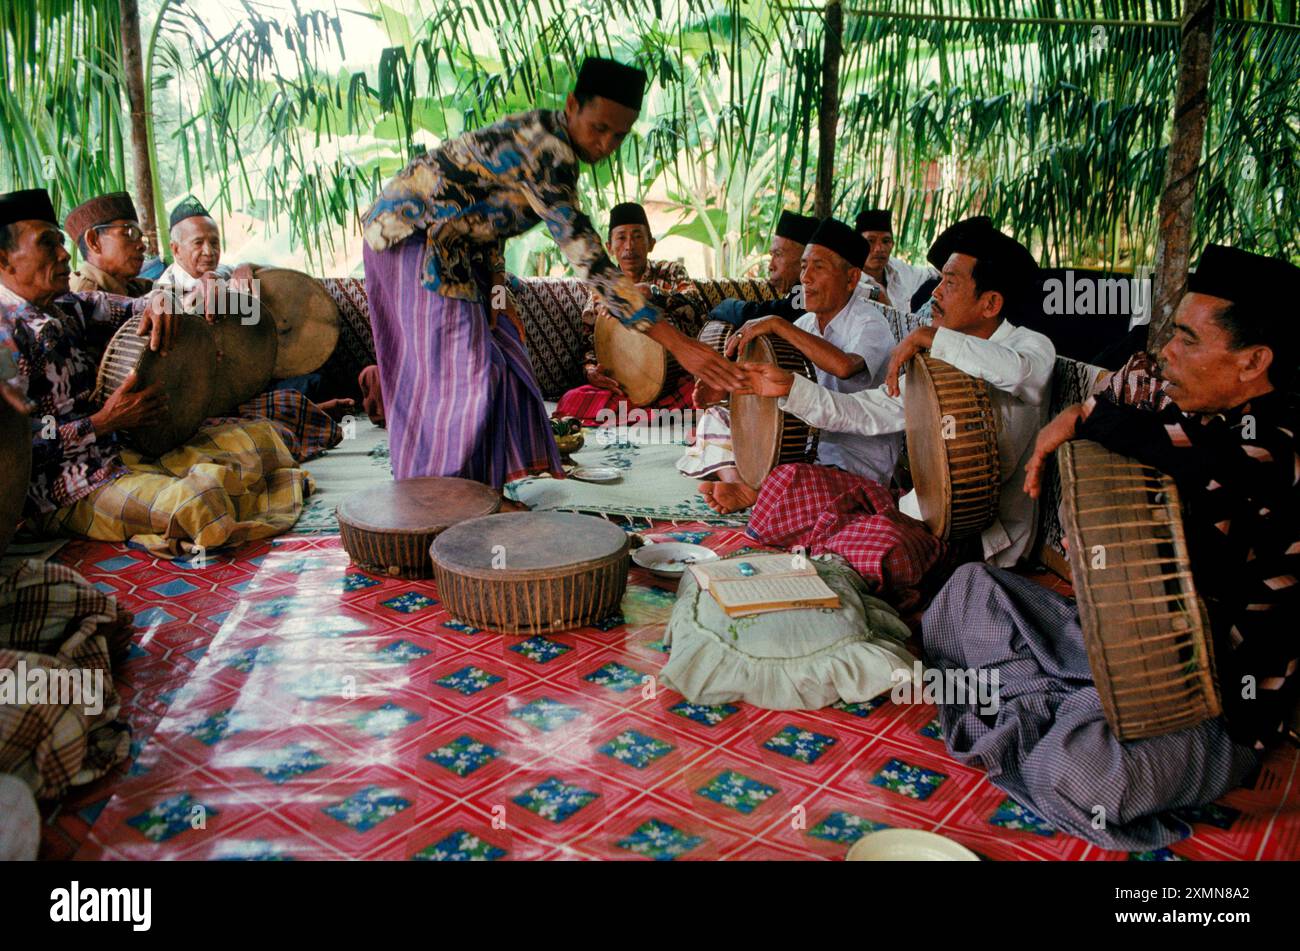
186, 375
952, 448
642, 365
762, 435
15, 468
1146, 631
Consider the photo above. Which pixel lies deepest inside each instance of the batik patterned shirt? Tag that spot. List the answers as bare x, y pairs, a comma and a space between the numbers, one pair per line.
471, 193
1238, 475
55, 353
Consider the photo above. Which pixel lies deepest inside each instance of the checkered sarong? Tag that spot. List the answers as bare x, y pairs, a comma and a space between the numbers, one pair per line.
307, 430
1048, 743
231, 483
51, 619
829, 510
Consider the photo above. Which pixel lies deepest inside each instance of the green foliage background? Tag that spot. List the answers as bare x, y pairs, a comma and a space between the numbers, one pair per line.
1058, 130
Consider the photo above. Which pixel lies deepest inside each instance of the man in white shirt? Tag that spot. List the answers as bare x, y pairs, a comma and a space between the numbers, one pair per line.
196, 250
984, 273
847, 340
893, 280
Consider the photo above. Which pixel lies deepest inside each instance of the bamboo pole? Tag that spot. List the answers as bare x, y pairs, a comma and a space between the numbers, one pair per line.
828, 116
133, 69
1178, 203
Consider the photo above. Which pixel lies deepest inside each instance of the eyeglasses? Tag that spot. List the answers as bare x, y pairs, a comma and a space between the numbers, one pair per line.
131, 231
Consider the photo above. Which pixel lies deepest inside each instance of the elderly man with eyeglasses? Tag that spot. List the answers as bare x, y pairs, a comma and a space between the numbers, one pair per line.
107, 232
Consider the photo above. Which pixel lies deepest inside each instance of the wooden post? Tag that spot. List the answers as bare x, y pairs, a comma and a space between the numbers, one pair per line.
133, 70
828, 116
1178, 203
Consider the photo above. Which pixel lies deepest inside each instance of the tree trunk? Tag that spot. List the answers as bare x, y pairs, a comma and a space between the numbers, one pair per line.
828, 116
1178, 203
133, 69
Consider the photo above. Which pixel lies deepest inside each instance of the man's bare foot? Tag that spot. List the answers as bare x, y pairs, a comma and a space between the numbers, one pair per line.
728, 497
512, 505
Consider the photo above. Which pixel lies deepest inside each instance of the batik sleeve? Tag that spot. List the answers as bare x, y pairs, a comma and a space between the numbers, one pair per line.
552, 195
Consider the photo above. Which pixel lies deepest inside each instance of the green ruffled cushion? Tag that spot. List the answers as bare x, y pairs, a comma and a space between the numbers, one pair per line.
802, 659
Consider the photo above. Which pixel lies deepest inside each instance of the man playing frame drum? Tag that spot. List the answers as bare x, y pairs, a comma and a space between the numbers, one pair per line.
985, 273
1219, 421
845, 338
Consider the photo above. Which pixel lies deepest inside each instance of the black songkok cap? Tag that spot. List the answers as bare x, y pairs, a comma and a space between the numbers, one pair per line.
611, 79
190, 207
1246, 279
942, 248
30, 204
795, 227
875, 219
1005, 265
843, 240
627, 213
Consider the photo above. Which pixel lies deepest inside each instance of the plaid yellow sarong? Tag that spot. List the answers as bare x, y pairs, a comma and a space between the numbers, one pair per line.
54, 622
231, 483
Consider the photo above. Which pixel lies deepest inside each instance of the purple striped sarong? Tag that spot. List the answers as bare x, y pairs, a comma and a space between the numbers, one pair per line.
460, 397
1048, 743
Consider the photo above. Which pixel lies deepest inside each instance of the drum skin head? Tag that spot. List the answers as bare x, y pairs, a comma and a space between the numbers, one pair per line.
306, 318
755, 421
246, 356
429, 504
186, 373
632, 358
927, 455
520, 544
15, 469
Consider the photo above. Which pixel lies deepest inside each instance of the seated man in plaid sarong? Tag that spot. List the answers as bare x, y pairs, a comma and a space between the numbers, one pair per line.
985, 273
235, 481
1220, 423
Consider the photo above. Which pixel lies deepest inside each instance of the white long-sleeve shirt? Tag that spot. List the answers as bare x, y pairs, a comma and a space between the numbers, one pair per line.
1017, 364
859, 328
902, 281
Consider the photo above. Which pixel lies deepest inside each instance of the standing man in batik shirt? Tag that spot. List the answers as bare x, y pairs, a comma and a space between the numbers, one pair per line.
630, 243
1221, 422
894, 282
435, 275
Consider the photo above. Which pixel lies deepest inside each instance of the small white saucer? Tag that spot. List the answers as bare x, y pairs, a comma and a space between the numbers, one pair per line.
596, 474
908, 845
670, 559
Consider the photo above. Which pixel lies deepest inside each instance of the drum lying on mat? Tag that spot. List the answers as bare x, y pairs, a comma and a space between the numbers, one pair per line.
642, 365
306, 319
952, 448
1146, 631
15, 468
532, 572
247, 347
388, 530
185, 374
762, 435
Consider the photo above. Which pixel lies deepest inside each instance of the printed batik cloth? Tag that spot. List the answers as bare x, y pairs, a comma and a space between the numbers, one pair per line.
711, 452
54, 354
829, 510
231, 483
54, 622
1047, 742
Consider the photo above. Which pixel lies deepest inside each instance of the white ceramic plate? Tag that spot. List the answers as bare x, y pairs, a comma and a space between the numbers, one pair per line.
669, 559
596, 474
908, 845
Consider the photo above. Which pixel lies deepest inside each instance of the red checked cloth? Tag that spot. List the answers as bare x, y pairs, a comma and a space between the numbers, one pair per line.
830, 510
